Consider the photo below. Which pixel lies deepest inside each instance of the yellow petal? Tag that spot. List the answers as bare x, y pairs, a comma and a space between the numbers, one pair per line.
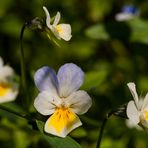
62, 122
4, 89
144, 118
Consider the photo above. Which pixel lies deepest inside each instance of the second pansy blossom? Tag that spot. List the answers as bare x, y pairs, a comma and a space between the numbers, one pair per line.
59, 30
8, 88
59, 97
137, 110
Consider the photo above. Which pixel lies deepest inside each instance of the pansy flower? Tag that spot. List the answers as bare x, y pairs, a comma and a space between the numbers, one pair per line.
128, 12
59, 97
59, 30
8, 88
137, 109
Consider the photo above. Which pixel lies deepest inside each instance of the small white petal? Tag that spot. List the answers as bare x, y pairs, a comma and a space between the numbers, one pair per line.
79, 102
5, 72
64, 31
133, 91
145, 103
70, 78
47, 17
46, 103
130, 124
9, 96
57, 18
1, 62
124, 16
132, 112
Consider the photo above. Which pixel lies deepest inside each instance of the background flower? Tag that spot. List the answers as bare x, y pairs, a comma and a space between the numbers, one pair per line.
137, 110
128, 12
60, 30
8, 88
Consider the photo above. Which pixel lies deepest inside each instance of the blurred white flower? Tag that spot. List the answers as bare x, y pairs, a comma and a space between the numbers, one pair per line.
131, 125
128, 12
59, 30
59, 97
137, 110
8, 88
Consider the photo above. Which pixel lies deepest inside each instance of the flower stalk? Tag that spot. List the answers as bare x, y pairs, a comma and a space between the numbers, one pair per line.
23, 69
120, 112
102, 128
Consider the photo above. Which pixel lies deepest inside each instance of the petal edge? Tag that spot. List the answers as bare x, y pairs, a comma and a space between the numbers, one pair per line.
70, 78
60, 125
132, 112
79, 102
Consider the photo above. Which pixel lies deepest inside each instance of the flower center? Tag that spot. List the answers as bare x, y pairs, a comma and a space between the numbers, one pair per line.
59, 29
62, 118
144, 118
4, 88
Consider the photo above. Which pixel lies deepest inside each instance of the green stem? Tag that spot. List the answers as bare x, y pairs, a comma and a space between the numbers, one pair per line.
23, 69
120, 112
13, 112
102, 128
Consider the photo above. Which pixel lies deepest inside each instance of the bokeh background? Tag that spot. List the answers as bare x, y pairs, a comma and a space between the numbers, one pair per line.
111, 54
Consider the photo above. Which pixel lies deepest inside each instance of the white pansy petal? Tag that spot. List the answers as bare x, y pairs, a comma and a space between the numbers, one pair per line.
145, 103
79, 102
10, 95
130, 124
55, 32
62, 122
47, 17
132, 112
45, 79
57, 18
5, 72
70, 78
46, 103
1, 62
133, 91
64, 31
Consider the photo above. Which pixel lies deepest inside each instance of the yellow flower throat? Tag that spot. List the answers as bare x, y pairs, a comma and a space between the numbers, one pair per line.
4, 88
146, 115
62, 118
59, 29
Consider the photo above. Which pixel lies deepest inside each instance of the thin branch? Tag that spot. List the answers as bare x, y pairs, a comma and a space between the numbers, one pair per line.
102, 128
23, 69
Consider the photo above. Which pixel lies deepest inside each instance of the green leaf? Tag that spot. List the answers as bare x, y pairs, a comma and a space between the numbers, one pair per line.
139, 30
14, 107
97, 32
134, 30
109, 30
13, 111
79, 133
94, 79
99, 8
57, 142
